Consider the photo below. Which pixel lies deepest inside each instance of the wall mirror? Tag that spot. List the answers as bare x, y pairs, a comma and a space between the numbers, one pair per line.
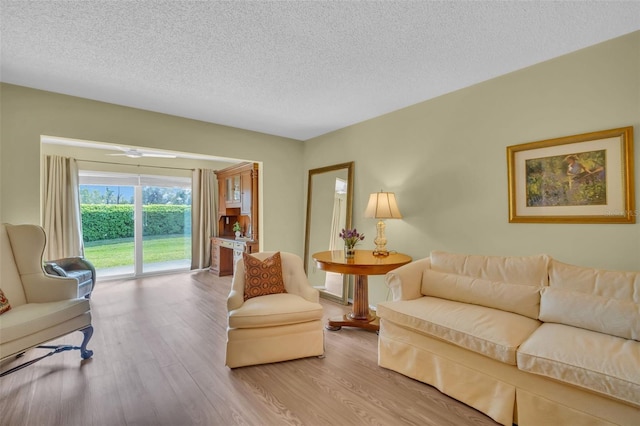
329, 210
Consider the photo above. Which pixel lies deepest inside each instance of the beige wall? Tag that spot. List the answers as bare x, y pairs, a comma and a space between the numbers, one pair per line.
446, 159
26, 114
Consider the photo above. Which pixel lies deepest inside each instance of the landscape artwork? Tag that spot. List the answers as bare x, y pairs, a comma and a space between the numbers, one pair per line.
577, 179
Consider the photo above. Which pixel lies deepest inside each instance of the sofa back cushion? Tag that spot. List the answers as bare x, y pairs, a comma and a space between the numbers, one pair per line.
607, 315
599, 282
10, 281
525, 270
593, 299
516, 298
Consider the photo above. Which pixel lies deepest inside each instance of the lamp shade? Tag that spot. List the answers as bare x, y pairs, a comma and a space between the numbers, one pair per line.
383, 205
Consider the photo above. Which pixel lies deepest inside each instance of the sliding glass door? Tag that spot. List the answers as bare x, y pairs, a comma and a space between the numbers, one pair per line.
134, 225
166, 228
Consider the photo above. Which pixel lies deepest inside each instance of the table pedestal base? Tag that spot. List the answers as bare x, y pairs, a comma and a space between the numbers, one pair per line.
336, 323
360, 316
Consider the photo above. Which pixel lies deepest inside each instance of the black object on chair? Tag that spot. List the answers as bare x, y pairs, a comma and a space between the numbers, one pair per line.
75, 267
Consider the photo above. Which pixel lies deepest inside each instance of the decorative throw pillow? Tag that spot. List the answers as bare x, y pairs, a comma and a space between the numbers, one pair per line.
262, 277
4, 303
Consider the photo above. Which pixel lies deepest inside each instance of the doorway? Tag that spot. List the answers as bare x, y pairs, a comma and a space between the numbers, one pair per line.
135, 225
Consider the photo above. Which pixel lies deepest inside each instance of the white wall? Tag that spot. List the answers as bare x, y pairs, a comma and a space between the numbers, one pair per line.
27, 114
446, 160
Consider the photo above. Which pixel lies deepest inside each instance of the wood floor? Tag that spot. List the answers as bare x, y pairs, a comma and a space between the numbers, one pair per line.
159, 360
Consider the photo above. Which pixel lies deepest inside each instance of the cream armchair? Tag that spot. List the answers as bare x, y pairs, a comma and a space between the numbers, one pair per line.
43, 307
275, 327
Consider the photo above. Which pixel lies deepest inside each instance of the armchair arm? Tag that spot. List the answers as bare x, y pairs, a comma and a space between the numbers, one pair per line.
60, 266
405, 282
236, 295
41, 288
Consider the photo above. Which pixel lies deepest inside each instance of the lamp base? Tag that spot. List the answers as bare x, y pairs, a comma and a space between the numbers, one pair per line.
380, 241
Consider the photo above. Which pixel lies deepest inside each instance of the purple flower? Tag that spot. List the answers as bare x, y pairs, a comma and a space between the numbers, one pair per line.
351, 237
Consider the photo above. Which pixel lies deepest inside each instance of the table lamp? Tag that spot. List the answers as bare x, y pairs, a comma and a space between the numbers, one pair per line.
382, 205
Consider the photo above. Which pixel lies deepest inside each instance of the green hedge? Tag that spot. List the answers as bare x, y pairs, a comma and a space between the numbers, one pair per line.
114, 221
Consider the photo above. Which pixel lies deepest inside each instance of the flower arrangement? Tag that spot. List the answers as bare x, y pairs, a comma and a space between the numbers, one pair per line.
351, 237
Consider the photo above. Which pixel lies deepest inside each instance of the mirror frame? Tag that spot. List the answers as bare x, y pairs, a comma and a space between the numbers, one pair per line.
344, 299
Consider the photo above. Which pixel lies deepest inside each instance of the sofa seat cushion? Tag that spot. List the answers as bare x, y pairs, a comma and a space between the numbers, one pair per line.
30, 318
274, 310
487, 331
585, 358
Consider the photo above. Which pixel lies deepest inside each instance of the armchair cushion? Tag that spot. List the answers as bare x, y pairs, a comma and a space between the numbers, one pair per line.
30, 318
4, 303
262, 277
274, 310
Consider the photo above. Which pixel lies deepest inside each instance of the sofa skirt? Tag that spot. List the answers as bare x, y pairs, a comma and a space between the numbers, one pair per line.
499, 390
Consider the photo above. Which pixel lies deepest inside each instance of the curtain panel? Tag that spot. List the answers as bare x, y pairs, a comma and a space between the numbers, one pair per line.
61, 216
203, 216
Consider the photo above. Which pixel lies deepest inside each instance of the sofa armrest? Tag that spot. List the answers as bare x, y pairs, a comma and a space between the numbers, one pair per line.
41, 288
405, 282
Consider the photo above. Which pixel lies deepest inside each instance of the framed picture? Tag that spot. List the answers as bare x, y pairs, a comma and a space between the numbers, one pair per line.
584, 178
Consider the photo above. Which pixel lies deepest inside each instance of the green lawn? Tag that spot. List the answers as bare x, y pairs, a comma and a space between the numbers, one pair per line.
110, 253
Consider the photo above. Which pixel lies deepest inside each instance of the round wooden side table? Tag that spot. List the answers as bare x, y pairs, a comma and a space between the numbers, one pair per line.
363, 264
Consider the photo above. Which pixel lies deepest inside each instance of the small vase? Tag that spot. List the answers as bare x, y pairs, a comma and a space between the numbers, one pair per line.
349, 252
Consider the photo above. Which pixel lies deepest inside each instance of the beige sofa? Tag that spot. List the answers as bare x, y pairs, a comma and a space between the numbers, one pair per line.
526, 340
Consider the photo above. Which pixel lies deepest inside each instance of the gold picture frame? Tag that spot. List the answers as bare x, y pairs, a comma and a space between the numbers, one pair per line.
586, 178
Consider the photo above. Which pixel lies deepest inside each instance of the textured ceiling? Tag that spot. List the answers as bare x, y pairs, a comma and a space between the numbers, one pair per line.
295, 69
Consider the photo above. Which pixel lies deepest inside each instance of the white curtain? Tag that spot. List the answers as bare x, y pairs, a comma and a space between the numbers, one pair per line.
333, 281
203, 217
336, 220
61, 221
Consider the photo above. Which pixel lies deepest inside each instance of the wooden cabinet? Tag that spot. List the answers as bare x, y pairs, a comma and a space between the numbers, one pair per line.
237, 202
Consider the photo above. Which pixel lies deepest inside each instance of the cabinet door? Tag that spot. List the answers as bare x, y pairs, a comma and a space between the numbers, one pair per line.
215, 257
233, 190
245, 181
222, 204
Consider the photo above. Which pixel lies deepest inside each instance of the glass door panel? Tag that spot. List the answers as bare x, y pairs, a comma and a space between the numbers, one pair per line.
108, 228
166, 228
